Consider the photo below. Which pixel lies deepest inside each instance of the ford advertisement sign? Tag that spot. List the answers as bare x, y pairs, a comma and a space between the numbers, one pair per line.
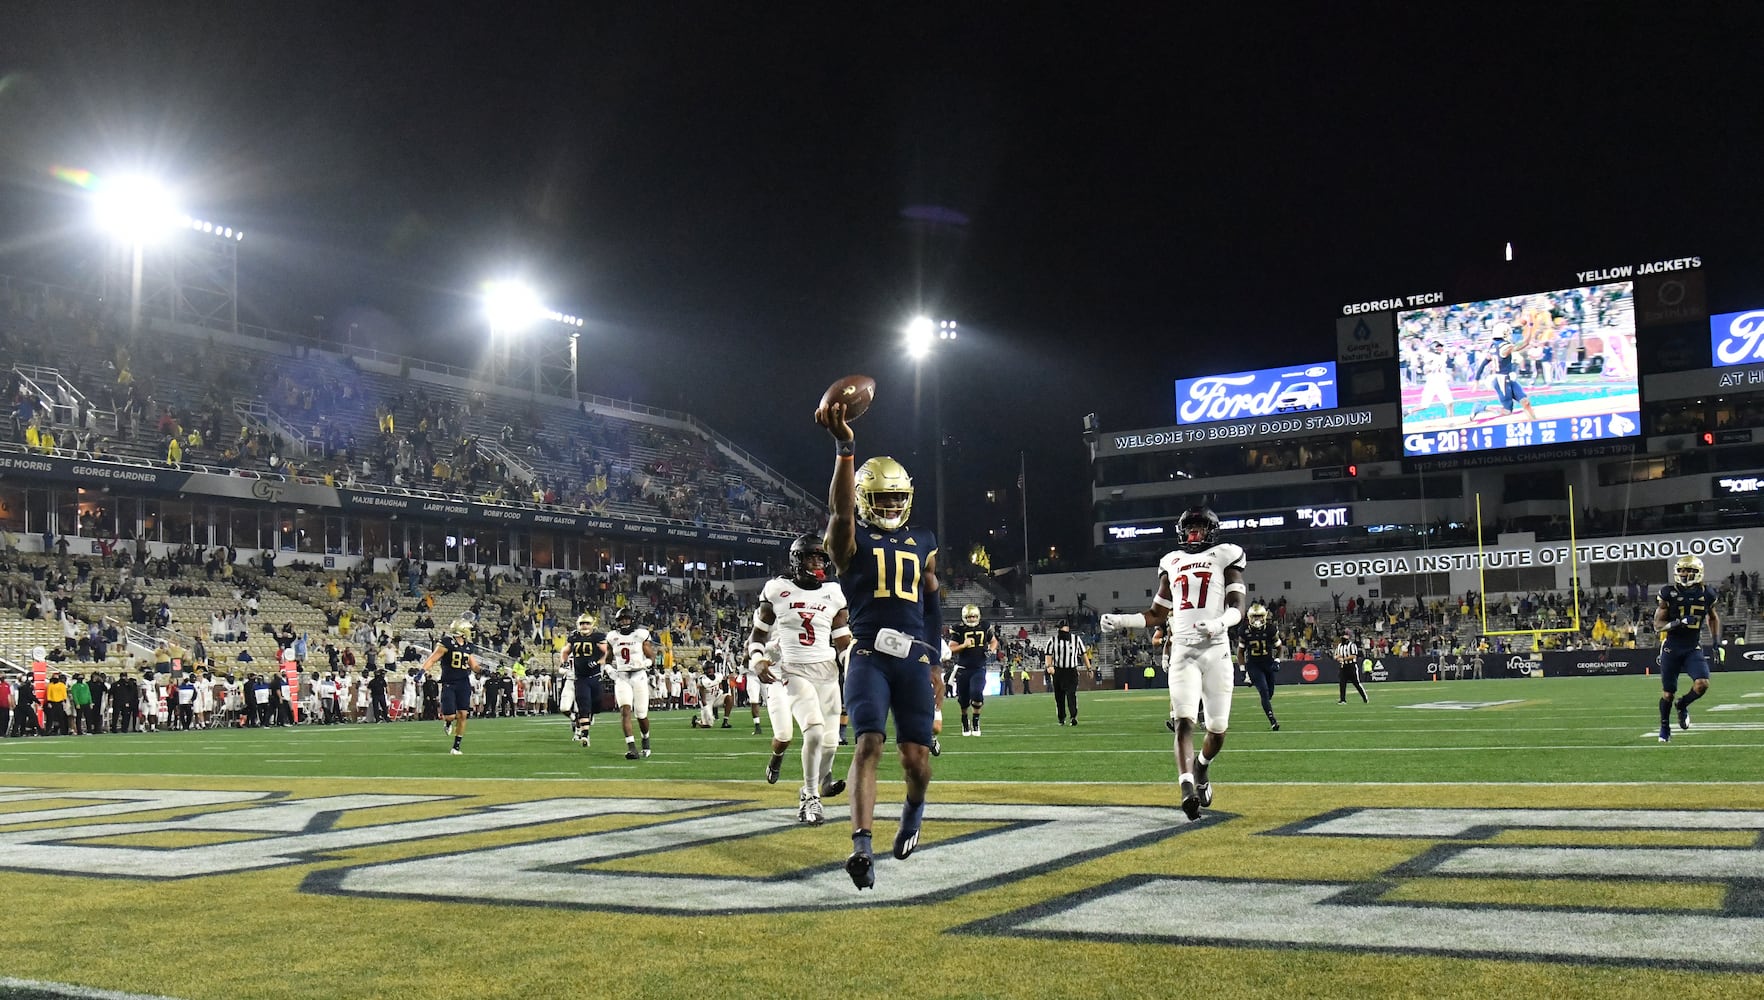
1737, 338
1292, 389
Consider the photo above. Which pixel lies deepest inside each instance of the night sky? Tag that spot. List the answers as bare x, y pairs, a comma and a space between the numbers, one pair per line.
721, 188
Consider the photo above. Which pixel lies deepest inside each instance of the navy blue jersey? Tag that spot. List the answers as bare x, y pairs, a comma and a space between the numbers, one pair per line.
1259, 644
884, 584
456, 663
979, 638
1690, 604
585, 653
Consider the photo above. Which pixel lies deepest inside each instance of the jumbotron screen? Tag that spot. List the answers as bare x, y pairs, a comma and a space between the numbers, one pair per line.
1547, 369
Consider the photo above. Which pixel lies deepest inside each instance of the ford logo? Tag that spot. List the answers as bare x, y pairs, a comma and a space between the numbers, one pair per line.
1743, 340
1316, 371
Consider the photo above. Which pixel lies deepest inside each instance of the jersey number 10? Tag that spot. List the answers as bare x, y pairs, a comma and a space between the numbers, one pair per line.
905, 583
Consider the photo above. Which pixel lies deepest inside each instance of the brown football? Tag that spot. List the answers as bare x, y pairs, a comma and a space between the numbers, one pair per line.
857, 392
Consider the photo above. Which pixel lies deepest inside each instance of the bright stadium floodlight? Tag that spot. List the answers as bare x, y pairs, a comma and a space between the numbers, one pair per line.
135, 209
510, 305
919, 334
946, 329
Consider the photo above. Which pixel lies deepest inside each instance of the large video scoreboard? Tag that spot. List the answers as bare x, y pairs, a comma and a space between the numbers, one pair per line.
1557, 368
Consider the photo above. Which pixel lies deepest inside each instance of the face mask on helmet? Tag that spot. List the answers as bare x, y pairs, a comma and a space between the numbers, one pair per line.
1689, 571
808, 560
884, 493
971, 615
1199, 529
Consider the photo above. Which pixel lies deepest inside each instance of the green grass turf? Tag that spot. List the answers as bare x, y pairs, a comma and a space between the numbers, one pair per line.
1556, 730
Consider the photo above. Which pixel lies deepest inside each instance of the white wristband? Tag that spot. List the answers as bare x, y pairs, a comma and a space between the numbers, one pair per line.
1231, 617
1130, 621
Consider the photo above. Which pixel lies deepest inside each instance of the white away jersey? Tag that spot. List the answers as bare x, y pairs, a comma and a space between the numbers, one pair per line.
626, 651
802, 620
1197, 588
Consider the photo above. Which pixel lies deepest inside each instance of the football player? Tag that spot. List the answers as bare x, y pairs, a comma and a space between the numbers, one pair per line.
587, 651
1504, 380
458, 666
1436, 368
1261, 651
972, 642
1201, 595
709, 692
804, 618
1685, 604
889, 574
631, 653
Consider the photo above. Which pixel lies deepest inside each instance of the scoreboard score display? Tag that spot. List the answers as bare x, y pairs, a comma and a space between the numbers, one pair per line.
1551, 368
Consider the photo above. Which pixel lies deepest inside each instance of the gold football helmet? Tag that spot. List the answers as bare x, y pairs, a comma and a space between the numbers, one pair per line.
461, 629
884, 493
585, 622
1688, 570
970, 615
1258, 615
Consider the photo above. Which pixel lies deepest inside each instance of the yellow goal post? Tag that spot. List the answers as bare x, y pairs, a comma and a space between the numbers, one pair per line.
1573, 579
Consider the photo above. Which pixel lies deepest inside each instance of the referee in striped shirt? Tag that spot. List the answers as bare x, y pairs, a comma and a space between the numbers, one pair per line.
1347, 658
1065, 654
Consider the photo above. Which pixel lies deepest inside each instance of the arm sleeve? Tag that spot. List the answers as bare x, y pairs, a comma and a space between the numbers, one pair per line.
932, 610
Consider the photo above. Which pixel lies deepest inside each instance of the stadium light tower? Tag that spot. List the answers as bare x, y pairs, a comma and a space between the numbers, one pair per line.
923, 334
512, 307
192, 274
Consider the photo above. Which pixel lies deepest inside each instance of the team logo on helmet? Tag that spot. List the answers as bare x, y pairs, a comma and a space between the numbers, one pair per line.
807, 547
1198, 529
884, 493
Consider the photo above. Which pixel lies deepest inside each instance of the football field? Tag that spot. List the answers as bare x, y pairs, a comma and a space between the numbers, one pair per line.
1525, 837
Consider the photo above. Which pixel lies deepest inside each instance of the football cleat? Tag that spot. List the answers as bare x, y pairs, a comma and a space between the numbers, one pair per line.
457, 752
631, 753
644, 753
756, 728
861, 869
802, 797
725, 723
1170, 723
447, 726
832, 787
1684, 718
1665, 733
967, 732
905, 842
811, 812
1203, 787
773, 767
977, 732
1273, 727
1191, 805
936, 747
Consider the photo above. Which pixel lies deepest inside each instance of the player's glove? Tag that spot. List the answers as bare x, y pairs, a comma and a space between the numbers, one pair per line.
1115, 623
1212, 628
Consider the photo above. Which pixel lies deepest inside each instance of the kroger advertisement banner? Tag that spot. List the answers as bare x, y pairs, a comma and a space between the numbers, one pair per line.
1736, 338
1293, 389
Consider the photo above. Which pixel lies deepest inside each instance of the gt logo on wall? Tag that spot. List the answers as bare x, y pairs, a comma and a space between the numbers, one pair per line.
1356, 916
